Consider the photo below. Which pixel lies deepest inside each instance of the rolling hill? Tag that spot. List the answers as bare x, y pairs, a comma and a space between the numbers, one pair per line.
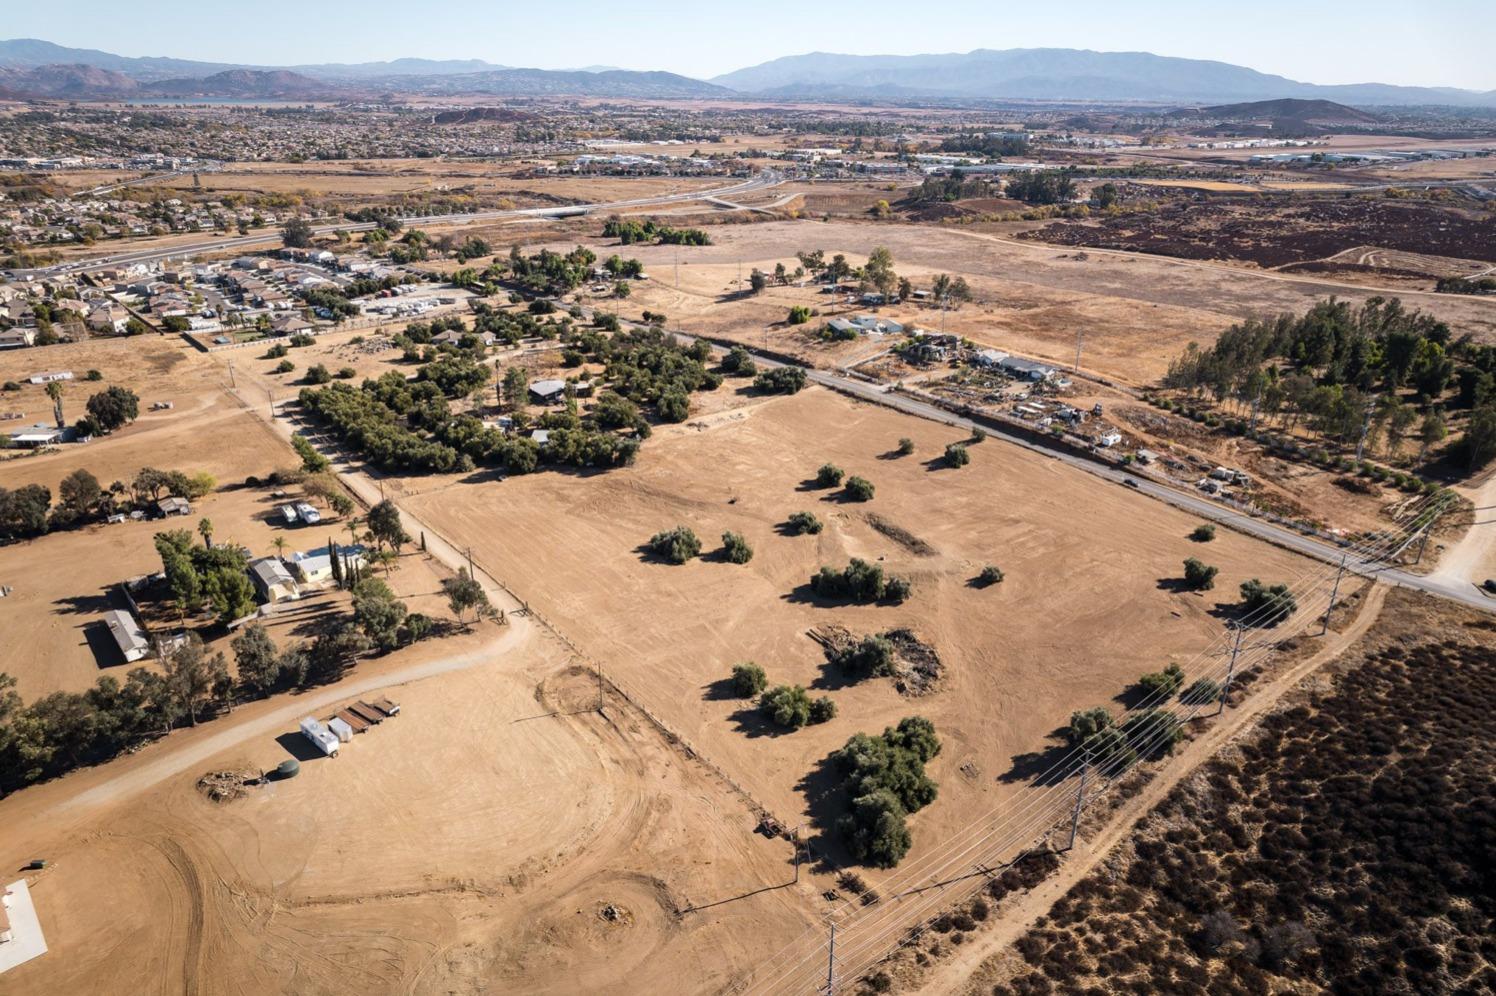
1059, 74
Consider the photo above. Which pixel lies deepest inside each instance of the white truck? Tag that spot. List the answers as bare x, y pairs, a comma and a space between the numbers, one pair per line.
308, 514
288, 512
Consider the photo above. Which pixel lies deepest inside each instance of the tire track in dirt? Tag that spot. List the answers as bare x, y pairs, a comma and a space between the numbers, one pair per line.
187, 871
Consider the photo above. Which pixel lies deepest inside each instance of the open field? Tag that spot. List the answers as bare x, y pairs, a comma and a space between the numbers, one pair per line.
1137, 311
1085, 608
1337, 847
557, 859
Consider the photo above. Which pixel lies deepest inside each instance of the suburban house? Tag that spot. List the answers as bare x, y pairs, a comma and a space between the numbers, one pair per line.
16, 337
273, 581
128, 634
289, 324
547, 392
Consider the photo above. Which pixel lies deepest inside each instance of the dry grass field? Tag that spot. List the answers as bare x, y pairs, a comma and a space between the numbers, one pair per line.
489, 839
1085, 609
1137, 312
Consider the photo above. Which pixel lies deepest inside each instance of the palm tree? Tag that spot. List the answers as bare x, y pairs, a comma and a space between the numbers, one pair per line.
352, 527
280, 546
205, 526
54, 391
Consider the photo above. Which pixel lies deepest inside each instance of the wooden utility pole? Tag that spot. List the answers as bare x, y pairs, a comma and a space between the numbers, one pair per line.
1080, 338
831, 963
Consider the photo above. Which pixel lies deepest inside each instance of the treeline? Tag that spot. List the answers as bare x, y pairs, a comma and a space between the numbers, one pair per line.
27, 511
952, 188
1341, 370
992, 144
66, 730
1040, 187
630, 231
1465, 285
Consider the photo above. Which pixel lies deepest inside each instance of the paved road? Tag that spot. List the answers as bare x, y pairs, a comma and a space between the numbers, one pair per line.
763, 180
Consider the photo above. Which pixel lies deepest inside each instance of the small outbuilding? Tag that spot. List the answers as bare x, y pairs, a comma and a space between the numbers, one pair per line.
547, 392
128, 634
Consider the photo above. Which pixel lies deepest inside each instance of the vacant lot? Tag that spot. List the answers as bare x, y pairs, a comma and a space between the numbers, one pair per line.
490, 838
1136, 312
1341, 847
1085, 608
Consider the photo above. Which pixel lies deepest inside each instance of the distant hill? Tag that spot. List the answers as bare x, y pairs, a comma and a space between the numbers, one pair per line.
1059, 74
280, 83
69, 82
1291, 109
548, 82
474, 115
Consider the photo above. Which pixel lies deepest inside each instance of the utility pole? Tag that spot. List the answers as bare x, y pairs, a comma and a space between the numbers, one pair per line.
470, 562
1333, 593
1230, 672
831, 963
232, 382
1423, 543
1080, 337
1080, 797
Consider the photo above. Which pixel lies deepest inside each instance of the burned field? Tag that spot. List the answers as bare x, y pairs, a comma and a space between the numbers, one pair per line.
1275, 233
1344, 846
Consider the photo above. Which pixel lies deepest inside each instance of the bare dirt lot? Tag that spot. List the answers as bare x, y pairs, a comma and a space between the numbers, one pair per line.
1086, 606
490, 838
1136, 311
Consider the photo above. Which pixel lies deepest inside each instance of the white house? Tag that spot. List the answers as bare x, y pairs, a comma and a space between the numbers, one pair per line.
128, 634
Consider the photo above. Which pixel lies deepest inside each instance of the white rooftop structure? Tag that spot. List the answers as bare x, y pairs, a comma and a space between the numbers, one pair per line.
128, 634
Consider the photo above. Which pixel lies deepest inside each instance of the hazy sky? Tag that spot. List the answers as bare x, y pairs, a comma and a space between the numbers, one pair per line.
1417, 42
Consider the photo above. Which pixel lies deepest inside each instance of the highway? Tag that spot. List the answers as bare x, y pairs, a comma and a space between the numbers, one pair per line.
761, 181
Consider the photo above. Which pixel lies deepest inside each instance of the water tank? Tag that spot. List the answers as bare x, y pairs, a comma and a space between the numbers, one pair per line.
288, 768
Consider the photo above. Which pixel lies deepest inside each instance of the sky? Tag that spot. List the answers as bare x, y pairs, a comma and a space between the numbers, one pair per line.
1410, 42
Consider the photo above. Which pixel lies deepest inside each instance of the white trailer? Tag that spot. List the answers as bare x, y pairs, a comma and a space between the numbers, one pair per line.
288, 512
318, 734
308, 514
340, 729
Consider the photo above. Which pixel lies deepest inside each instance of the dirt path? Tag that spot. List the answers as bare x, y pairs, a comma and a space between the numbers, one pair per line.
228, 732
1473, 558
951, 976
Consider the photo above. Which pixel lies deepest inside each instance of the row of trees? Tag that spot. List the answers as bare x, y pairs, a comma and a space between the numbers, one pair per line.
860, 582
632, 230
1342, 371
27, 511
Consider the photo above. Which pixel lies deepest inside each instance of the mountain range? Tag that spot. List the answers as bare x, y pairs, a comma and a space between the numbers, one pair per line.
31, 67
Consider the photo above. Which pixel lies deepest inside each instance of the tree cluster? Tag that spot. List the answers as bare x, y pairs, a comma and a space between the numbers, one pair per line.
883, 781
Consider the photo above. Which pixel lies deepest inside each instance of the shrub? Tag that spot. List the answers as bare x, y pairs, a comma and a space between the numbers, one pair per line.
748, 680
804, 522
1162, 683
859, 581
956, 455
799, 315
822, 710
284, 366
786, 705
736, 549
1199, 576
1275, 602
676, 545
897, 589
1203, 533
829, 476
1201, 691
906, 446
991, 574
318, 374
884, 779
859, 489
93, 375
780, 380
347, 373
739, 363
872, 656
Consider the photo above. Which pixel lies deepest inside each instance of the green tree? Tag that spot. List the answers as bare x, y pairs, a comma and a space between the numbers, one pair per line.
676, 545
878, 271
735, 548
906, 446
1271, 604
311, 461
859, 489
80, 492
114, 407
1163, 683
378, 613
801, 523
956, 455
384, 525
465, 594
1203, 533
787, 706
829, 476
1199, 576
990, 575
748, 680
256, 659
229, 591
297, 233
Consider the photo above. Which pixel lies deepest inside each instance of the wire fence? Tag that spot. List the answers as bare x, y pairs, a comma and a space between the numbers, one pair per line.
954, 870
